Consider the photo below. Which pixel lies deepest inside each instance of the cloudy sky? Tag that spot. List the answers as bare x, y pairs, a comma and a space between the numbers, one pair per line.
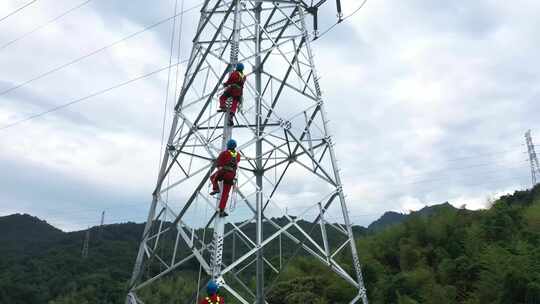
428, 102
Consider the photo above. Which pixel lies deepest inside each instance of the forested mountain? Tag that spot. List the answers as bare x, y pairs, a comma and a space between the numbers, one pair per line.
45, 263
459, 256
22, 235
437, 255
391, 218
388, 219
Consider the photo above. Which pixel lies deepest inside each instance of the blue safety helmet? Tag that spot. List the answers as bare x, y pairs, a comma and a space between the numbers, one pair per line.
212, 287
231, 144
240, 67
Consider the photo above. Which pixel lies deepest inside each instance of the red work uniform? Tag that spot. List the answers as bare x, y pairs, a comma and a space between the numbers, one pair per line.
227, 163
235, 87
214, 299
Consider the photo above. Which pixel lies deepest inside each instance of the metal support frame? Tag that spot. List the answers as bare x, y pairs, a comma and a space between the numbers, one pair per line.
285, 144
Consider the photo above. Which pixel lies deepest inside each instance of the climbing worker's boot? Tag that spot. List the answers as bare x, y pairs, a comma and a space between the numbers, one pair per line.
222, 213
214, 192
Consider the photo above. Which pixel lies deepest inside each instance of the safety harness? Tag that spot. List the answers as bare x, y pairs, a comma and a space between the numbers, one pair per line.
240, 83
233, 163
210, 300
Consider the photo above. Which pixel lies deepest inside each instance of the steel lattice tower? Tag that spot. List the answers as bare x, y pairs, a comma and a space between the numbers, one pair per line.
535, 167
286, 149
86, 244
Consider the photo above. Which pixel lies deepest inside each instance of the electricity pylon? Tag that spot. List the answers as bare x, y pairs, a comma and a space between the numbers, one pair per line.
288, 160
535, 166
86, 244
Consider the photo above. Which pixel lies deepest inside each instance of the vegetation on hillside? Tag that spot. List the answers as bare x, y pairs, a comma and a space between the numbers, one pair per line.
453, 256
450, 256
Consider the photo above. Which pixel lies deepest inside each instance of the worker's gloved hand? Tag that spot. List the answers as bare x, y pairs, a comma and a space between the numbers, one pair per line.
224, 84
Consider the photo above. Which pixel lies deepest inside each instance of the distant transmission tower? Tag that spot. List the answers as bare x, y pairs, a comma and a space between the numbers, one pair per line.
535, 167
102, 219
288, 160
101, 223
86, 244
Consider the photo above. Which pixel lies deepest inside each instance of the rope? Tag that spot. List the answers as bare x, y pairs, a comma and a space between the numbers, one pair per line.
234, 197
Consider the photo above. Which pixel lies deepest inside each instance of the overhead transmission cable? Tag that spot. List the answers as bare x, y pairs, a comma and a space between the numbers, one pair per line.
173, 32
65, 65
100, 92
78, 210
17, 10
343, 19
3, 46
484, 164
455, 178
369, 169
483, 154
61, 214
452, 177
458, 178
432, 189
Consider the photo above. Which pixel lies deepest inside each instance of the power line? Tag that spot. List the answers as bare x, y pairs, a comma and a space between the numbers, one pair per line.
455, 179
489, 182
169, 81
482, 155
462, 168
451, 168
493, 181
62, 213
470, 175
65, 105
342, 20
17, 10
44, 25
60, 216
66, 210
73, 212
65, 65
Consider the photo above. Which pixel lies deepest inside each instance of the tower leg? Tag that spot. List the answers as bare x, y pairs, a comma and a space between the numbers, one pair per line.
259, 165
339, 185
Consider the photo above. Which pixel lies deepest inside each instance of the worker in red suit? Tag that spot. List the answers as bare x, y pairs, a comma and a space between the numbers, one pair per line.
227, 163
212, 298
234, 88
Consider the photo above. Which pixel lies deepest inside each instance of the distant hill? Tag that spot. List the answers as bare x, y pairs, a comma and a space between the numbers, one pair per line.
24, 227
388, 219
436, 254
34, 253
40, 262
23, 234
391, 218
